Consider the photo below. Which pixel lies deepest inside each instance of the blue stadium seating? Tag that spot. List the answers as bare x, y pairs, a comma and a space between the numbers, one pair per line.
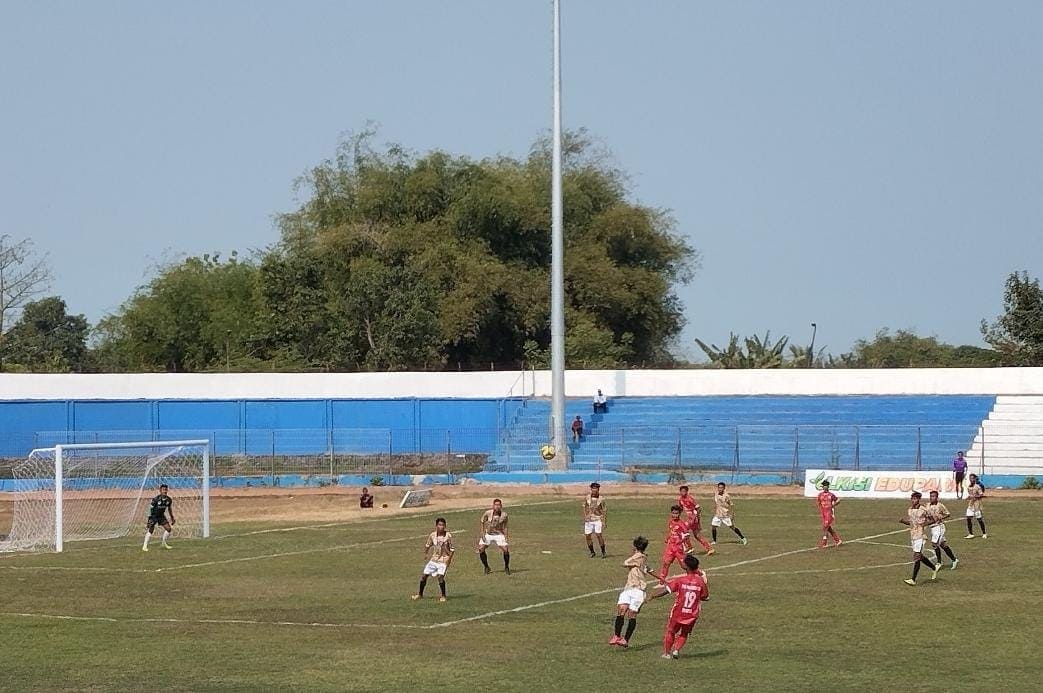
754, 433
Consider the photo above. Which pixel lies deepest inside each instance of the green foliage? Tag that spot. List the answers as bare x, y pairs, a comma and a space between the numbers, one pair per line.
195, 315
376, 480
905, 349
1018, 334
46, 339
404, 261
754, 352
1031, 483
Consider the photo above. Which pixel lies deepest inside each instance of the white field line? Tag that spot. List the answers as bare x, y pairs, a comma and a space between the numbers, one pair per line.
302, 552
242, 559
883, 543
412, 516
206, 621
298, 528
551, 602
822, 570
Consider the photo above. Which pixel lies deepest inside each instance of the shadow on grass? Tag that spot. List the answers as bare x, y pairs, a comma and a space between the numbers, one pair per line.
685, 654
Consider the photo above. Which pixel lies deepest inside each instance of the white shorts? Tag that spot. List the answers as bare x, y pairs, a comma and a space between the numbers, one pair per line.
435, 568
974, 513
718, 521
497, 539
632, 597
937, 534
593, 527
918, 545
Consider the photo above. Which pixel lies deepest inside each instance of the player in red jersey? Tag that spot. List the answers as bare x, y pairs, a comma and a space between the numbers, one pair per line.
676, 541
691, 508
690, 590
826, 501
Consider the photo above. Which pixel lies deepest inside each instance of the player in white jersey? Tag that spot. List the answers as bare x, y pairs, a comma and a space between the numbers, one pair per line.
492, 529
724, 514
937, 514
439, 553
594, 517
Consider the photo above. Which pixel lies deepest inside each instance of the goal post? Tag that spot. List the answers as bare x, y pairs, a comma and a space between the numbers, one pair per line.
90, 491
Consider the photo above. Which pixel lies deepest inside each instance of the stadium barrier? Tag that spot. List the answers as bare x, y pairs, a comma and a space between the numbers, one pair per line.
879, 484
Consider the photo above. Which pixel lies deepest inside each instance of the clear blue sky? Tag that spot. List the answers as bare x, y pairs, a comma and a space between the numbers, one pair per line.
858, 165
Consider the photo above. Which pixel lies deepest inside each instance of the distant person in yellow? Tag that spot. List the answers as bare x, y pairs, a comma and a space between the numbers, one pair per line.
723, 514
492, 529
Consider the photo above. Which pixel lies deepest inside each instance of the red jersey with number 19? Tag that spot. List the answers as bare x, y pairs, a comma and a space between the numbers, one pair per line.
690, 591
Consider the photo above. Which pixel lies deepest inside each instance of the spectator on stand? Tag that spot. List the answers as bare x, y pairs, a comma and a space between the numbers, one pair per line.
600, 403
577, 429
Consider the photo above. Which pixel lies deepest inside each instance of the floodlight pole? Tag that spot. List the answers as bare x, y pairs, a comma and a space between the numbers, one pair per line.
557, 263
811, 349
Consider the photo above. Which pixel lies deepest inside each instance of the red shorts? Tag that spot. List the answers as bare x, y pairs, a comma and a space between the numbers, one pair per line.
673, 553
676, 628
695, 525
827, 521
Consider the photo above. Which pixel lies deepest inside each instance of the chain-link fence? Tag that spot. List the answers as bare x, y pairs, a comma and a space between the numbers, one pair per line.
780, 450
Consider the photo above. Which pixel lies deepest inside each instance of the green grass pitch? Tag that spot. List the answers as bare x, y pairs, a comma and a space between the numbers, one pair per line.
327, 608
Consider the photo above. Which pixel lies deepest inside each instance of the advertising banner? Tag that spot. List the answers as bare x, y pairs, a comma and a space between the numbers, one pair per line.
877, 484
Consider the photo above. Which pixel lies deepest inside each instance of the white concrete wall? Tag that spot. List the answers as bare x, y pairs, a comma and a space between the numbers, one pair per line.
957, 381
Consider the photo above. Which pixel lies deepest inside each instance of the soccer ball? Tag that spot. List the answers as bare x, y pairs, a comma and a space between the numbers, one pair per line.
548, 452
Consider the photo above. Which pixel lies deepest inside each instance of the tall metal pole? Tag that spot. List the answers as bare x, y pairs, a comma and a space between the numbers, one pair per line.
811, 349
557, 265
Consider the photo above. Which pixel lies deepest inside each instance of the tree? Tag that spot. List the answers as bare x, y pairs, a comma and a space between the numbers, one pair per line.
1018, 334
905, 349
46, 339
196, 315
22, 276
442, 261
754, 352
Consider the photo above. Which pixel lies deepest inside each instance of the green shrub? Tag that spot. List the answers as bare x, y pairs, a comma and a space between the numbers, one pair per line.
1031, 483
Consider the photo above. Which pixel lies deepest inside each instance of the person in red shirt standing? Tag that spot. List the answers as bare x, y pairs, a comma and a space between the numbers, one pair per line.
827, 501
690, 590
691, 508
676, 541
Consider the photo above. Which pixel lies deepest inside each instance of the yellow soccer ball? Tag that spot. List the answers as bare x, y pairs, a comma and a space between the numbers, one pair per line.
548, 452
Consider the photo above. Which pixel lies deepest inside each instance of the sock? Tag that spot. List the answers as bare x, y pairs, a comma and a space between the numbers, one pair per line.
949, 553
981, 523
485, 559
590, 546
668, 642
736, 530
679, 642
937, 554
833, 533
705, 544
165, 535
602, 544
148, 535
631, 625
441, 586
916, 568
713, 533
506, 560
619, 626
970, 527
423, 584
927, 562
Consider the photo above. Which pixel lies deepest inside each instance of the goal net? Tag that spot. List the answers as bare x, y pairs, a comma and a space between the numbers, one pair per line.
102, 491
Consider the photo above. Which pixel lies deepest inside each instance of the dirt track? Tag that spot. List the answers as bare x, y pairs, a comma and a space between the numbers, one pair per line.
334, 504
